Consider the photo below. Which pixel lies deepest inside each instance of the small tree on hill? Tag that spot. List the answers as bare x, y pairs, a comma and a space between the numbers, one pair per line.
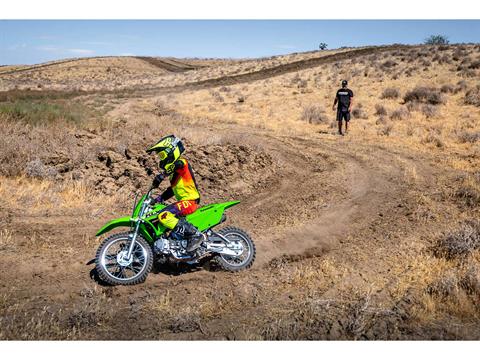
322, 46
436, 40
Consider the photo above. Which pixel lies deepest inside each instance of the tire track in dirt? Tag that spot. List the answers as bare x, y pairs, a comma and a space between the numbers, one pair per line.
365, 188
168, 64
279, 70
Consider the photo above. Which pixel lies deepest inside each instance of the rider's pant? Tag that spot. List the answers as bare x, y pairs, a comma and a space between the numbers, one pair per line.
169, 216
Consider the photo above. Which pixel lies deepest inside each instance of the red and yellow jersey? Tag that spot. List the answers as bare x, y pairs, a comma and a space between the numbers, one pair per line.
182, 182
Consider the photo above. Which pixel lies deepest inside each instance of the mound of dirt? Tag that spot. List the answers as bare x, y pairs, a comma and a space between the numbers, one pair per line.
230, 170
221, 171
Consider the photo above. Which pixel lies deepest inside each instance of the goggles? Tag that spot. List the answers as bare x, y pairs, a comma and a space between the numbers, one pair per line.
163, 154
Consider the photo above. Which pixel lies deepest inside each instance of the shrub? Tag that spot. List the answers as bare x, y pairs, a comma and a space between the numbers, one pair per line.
224, 89
436, 40
474, 65
459, 54
359, 113
390, 93
470, 137
426, 95
460, 242
445, 59
314, 114
216, 96
471, 280
430, 111
469, 192
461, 86
380, 110
385, 130
382, 120
447, 89
389, 64
468, 73
445, 285
433, 138
425, 63
38, 169
302, 84
400, 114
472, 97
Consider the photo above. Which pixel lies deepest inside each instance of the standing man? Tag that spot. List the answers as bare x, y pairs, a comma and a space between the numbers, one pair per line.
344, 99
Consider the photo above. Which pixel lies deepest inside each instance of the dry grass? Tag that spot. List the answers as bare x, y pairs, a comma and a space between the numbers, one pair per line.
40, 195
6, 239
314, 114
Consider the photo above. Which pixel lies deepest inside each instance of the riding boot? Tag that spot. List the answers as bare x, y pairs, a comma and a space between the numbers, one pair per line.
189, 233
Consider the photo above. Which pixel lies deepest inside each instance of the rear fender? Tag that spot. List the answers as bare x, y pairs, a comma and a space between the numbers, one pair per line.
209, 216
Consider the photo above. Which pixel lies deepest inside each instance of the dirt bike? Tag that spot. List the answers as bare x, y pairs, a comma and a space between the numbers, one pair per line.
126, 258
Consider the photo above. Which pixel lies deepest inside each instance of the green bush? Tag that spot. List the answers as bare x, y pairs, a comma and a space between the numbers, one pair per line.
36, 112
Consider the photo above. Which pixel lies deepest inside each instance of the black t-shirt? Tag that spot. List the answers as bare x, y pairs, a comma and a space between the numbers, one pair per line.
343, 97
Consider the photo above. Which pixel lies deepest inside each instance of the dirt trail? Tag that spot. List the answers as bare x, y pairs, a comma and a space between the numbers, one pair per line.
327, 189
168, 64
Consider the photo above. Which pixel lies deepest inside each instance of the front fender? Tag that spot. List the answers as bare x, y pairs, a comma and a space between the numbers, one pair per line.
120, 222
127, 222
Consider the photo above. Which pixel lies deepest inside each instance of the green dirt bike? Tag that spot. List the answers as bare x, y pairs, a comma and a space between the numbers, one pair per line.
126, 258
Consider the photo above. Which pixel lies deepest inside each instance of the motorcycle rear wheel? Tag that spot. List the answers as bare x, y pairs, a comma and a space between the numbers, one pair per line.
246, 259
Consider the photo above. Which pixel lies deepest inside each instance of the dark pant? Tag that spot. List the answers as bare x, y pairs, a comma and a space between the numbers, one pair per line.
343, 115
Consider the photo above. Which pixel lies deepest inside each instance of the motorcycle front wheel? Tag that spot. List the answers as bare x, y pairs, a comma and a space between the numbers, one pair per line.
113, 266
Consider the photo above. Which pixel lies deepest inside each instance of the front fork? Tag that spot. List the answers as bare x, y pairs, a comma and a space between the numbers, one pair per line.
134, 238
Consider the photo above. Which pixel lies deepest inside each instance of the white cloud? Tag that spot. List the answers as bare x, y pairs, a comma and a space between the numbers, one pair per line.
81, 51
126, 54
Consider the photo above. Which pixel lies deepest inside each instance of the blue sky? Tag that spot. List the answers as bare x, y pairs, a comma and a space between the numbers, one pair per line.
35, 41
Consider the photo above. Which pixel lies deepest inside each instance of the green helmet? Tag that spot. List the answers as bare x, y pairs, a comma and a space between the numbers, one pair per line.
169, 149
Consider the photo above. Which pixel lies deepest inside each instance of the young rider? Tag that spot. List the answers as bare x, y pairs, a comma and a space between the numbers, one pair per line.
182, 186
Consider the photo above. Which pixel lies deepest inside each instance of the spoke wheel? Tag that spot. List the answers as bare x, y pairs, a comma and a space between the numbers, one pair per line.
115, 268
245, 259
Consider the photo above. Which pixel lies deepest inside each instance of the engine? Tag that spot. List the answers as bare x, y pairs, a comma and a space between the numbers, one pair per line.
168, 246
